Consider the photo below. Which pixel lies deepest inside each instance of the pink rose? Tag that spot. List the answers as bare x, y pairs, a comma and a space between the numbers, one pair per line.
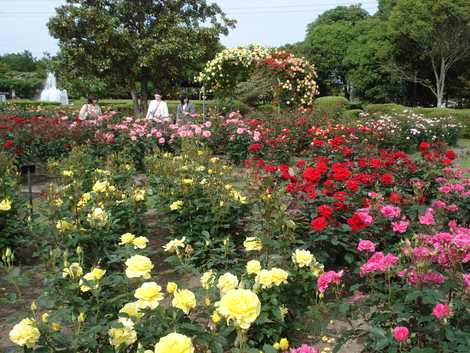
161, 140
441, 311
390, 211
427, 218
401, 333
400, 226
366, 245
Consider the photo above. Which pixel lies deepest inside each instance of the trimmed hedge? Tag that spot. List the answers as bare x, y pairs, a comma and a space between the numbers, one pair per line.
331, 104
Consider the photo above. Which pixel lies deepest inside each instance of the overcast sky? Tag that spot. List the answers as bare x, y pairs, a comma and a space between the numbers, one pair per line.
267, 22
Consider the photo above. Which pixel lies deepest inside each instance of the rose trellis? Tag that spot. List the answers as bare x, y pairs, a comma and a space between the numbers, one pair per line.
293, 79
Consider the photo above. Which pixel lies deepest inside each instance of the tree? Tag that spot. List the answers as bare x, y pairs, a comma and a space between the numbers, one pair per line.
368, 61
137, 41
436, 34
327, 42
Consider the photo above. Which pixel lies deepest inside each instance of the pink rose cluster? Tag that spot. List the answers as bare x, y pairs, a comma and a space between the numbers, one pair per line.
413, 277
390, 212
328, 278
446, 248
378, 262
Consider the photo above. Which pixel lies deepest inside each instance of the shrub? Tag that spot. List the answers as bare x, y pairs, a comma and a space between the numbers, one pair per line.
384, 108
331, 105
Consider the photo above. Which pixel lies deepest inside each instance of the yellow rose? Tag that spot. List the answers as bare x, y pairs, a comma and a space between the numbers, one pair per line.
171, 287
5, 205
240, 305
252, 244
284, 344
265, 278
127, 238
140, 242
187, 181
207, 279
174, 244
279, 276
122, 336
227, 282
253, 267
176, 205
132, 310
302, 258
45, 318
185, 300
149, 295
74, 271
94, 276
25, 333
98, 217
55, 326
81, 317
215, 317
174, 343
138, 266
84, 199
139, 195
67, 173
102, 187
63, 225
98, 273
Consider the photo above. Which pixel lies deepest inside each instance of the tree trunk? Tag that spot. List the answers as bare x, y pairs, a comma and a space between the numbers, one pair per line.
143, 95
135, 100
440, 74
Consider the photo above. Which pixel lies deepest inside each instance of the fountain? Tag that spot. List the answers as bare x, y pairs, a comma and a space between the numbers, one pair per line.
51, 93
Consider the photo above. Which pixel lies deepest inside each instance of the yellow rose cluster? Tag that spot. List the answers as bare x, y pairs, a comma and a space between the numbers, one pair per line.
137, 242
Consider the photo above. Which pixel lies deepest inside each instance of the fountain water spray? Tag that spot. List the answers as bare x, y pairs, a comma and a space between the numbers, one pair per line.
51, 93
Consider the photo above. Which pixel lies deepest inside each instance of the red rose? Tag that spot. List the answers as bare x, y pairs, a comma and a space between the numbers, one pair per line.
325, 210
395, 198
423, 146
311, 175
318, 143
300, 163
319, 223
255, 147
352, 185
451, 155
340, 174
8, 144
386, 179
356, 223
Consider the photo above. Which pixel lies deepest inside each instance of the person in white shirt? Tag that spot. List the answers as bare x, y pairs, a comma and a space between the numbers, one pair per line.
157, 108
91, 110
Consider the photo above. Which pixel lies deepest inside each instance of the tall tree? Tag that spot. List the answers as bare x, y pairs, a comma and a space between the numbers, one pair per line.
436, 35
327, 42
368, 62
137, 41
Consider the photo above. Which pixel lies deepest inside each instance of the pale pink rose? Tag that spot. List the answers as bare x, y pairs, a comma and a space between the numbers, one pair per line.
161, 140
206, 133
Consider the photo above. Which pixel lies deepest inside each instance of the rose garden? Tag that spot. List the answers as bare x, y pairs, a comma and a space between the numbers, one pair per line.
298, 225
